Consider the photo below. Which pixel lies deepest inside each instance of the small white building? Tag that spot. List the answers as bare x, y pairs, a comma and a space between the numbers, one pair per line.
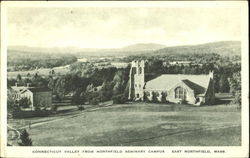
82, 60
38, 96
119, 64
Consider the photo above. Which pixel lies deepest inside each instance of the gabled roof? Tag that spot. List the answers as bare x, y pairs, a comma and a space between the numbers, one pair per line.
195, 87
39, 89
18, 88
22, 89
198, 83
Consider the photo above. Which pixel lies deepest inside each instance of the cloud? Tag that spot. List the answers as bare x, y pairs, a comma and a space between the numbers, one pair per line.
116, 27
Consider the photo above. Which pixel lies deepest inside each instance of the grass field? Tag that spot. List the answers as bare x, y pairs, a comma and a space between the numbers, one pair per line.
144, 124
43, 71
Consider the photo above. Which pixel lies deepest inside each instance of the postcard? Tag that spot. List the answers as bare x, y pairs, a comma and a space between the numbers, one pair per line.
124, 79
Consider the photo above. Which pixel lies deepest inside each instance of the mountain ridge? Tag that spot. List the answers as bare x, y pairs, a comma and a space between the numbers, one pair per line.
227, 48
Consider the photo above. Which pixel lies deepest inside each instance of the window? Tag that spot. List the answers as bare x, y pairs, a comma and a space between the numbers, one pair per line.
135, 85
137, 95
140, 70
180, 93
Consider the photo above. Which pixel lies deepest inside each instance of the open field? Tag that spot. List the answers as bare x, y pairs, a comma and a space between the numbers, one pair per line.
43, 71
144, 124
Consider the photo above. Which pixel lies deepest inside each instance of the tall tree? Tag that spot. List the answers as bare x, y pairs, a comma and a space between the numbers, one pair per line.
10, 101
18, 77
223, 84
235, 87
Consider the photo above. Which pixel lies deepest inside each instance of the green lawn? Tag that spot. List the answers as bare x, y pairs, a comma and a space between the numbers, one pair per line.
144, 124
42, 71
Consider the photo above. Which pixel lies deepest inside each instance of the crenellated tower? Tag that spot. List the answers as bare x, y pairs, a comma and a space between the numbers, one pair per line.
136, 80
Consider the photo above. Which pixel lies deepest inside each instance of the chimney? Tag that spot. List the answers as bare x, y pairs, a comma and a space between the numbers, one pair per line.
211, 74
16, 84
28, 84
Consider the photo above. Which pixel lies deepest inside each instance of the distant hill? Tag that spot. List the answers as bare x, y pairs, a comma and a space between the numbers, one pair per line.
143, 47
135, 47
225, 48
43, 49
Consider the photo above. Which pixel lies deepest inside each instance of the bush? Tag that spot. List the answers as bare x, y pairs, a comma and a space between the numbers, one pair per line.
164, 95
155, 95
25, 140
78, 98
24, 102
237, 99
183, 102
145, 98
28, 114
80, 107
235, 88
94, 101
119, 99
54, 108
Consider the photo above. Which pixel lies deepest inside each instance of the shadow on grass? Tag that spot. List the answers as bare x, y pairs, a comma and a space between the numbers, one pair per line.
157, 136
222, 101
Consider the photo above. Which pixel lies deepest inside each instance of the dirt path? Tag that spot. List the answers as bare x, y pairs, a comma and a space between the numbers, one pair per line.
67, 117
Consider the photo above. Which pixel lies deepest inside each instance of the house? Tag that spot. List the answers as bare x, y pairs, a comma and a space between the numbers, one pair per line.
181, 63
119, 64
185, 63
176, 88
82, 60
38, 97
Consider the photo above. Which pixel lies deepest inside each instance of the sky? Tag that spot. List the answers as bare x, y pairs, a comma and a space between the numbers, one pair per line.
105, 27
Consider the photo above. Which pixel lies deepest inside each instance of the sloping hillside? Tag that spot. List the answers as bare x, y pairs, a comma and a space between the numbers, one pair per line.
224, 48
143, 47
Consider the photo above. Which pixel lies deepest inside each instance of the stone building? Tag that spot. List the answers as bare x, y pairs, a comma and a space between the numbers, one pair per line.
176, 88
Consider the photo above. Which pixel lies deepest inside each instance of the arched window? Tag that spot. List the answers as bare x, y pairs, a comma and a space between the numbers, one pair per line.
180, 93
140, 70
137, 95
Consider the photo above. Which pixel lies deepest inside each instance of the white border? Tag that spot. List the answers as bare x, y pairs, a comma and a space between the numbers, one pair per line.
241, 151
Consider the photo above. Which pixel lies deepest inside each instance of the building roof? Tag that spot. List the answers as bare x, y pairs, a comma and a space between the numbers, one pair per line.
18, 88
198, 83
39, 89
22, 89
195, 87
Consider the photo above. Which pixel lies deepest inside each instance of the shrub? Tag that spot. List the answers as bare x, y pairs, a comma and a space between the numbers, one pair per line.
235, 88
54, 108
145, 98
28, 114
94, 101
25, 140
24, 102
164, 95
57, 98
80, 107
237, 99
155, 95
78, 98
119, 99
183, 102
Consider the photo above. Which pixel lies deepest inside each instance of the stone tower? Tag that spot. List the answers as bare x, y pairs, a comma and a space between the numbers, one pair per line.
136, 80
